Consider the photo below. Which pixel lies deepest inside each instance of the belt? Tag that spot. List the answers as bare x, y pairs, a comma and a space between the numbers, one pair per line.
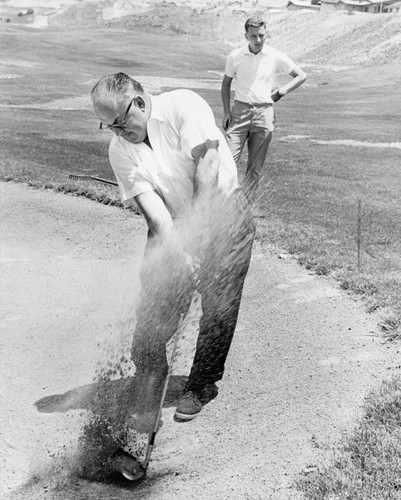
256, 104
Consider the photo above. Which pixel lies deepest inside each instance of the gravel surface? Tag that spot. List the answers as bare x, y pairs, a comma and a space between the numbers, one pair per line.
303, 357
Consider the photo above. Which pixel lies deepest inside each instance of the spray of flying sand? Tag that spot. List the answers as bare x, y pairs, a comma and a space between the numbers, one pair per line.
108, 426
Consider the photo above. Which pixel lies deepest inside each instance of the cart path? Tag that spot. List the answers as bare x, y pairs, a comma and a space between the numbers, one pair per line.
303, 357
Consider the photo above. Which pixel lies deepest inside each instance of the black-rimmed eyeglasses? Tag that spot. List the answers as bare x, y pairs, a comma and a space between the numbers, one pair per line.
121, 126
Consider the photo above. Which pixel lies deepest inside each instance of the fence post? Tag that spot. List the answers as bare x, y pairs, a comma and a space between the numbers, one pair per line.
358, 237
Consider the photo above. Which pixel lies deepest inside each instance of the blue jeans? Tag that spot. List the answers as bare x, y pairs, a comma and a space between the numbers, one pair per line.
253, 124
168, 287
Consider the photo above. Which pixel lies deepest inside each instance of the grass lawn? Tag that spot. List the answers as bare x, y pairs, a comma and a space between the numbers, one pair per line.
367, 463
317, 198
316, 195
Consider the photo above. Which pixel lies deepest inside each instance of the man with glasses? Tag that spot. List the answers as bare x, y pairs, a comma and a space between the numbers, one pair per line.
170, 157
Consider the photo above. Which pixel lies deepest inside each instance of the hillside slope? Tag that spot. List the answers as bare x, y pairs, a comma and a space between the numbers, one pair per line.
333, 40
315, 39
336, 39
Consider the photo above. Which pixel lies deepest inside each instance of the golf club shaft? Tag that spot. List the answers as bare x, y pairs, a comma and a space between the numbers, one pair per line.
152, 436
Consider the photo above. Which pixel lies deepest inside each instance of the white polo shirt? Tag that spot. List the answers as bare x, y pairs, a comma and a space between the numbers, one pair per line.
255, 74
179, 121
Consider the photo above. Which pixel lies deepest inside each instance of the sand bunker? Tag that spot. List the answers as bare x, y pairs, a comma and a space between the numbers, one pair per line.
19, 63
156, 84
342, 142
364, 144
10, 76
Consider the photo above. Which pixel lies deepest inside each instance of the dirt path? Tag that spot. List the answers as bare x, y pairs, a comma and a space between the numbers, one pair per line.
303, 357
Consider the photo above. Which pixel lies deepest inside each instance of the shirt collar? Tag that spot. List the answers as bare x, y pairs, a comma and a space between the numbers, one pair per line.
156, 112
264, 50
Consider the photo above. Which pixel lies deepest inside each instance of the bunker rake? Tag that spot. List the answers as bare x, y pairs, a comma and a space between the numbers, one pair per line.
79, 177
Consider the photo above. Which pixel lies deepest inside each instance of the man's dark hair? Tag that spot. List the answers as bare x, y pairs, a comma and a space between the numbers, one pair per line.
254, 22
118, 84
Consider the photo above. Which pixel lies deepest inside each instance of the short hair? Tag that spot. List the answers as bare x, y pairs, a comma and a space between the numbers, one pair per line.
116, 85
254, 22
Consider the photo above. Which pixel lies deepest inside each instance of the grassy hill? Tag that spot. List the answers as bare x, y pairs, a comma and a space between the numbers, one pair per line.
337, 39
317, 40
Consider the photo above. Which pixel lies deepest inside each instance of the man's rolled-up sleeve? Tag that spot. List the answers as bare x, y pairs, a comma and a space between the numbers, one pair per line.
230, 68
131, 180
285, 64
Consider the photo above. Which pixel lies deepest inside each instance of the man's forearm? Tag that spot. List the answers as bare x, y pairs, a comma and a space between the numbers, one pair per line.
206, 177
158, 218
296, 82
226, 97
206, 192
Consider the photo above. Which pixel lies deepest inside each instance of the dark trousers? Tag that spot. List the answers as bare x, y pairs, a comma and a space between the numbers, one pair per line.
168, 287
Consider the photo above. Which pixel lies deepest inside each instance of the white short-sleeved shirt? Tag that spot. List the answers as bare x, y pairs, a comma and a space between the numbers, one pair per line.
255, 74
179, 121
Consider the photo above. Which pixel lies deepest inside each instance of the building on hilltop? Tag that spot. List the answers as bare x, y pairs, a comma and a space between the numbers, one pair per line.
368, 6
349, 5
303, 4
269, 4
392, 8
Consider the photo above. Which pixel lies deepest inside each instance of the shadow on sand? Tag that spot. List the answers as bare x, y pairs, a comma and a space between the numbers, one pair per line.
107, 395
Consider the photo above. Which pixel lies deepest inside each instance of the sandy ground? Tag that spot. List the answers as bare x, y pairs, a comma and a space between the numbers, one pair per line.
303, 357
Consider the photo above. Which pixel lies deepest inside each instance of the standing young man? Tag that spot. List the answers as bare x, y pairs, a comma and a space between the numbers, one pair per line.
170, 157
254, 68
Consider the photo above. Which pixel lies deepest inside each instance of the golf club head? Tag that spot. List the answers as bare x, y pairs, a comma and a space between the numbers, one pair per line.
127, 465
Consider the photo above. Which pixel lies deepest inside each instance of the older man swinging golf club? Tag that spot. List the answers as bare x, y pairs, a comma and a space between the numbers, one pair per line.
170, 157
